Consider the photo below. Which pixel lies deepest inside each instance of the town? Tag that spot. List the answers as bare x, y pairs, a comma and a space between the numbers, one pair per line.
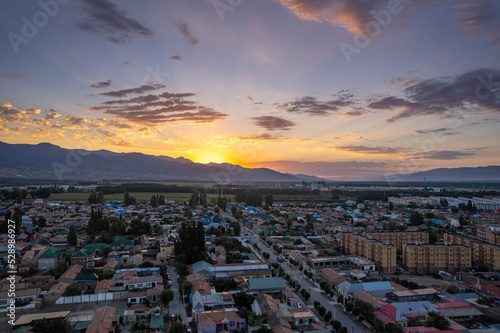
248, 259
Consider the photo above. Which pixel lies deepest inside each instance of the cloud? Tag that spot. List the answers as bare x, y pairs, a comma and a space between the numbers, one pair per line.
74, 120
311, 106
176, 57
352, 15
357, 112
44, 133
408, 153
3, 129
271, 123
369, 150
436, 130
105, 18
186, 32
138, 90
115, 139
262, 137
14, 76
101, 122
152, 110
442, 155
9, 113
474, 91
144, 131
403, 82
102, 84
481, 18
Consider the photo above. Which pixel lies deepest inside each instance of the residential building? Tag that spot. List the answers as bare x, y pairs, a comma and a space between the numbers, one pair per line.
425, 294
83, 258
400, 313
484, 253
272, 285
104, 320
55, 292
70, 274
399, 238
217, 321
86, 281
332, 277
50, 259
23, 295
383, 255
432, 258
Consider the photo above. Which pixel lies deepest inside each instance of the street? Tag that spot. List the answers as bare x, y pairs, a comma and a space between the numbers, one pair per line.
175, 306
306, 284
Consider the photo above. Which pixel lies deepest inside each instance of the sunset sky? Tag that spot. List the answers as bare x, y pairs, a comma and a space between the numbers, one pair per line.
341, 89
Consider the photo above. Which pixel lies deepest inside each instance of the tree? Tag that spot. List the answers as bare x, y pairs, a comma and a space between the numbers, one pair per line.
336, 324
177, 327
416, 218
57, 325
191, 242
72, 290
437, 321
186, 287
462, 221
166, 296
128, 199
349, 306
342, 329
264, 329
41, 222
394, 328
243, 299
92, 197
327, 316
72, 238
237, 229
269, 199
452, 289
392, 226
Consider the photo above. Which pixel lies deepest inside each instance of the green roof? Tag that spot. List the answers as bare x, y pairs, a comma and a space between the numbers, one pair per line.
82, 253
95, 246
83, 325
156, 321
119, 242
86, 276
52, 252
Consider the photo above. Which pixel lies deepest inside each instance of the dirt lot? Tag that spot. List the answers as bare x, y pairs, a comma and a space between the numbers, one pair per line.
427, 281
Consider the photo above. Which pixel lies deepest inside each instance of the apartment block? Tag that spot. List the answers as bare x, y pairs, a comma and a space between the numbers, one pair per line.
399, 238
432, 258
490, 233
483, 253
383, 255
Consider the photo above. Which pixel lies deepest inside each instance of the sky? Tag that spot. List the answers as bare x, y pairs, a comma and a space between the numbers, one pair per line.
340, 89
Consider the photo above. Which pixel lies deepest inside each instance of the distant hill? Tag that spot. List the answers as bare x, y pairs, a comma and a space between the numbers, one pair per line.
487, 173
48, 161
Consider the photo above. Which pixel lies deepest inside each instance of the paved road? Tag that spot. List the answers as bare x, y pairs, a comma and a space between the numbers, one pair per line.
351, 326
175, 306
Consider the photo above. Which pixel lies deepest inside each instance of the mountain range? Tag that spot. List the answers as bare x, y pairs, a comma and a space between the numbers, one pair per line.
486, 173
48, 161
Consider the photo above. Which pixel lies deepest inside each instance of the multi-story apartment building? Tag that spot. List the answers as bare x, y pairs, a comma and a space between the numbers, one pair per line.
431, 258
490, 233
399, 238
483, 253
383, 255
